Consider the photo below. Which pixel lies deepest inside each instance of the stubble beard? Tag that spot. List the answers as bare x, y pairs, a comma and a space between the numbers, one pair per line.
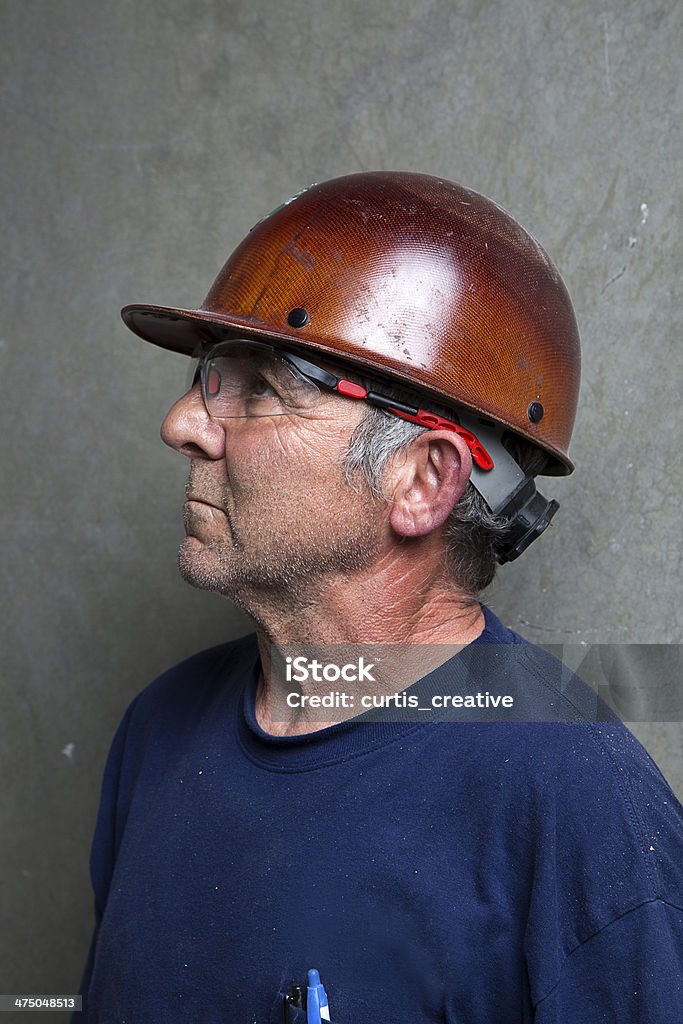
271, 560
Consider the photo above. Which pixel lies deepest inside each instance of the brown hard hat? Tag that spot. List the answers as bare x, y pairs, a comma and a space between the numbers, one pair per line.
407, 274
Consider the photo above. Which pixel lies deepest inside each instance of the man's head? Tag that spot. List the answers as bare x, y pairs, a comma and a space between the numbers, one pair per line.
438, 304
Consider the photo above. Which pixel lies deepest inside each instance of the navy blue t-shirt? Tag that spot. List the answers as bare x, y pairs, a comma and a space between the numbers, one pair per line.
479, 872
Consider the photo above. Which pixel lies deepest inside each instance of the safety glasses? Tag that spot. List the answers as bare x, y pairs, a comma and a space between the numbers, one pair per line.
244, 378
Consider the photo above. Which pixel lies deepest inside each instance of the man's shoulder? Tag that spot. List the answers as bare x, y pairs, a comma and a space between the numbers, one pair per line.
568, 743
567, 771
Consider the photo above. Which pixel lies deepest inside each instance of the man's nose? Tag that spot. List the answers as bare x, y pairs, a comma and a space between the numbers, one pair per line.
189, 429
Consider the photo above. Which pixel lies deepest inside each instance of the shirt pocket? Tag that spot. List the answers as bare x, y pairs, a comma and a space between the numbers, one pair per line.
294, 1015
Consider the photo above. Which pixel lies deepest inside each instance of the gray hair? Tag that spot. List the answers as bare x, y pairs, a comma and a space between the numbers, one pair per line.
472, 532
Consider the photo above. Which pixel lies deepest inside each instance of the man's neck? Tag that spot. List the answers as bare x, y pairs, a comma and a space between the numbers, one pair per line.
402, 622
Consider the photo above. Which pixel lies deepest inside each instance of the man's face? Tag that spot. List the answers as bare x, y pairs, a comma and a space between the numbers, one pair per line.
268, 506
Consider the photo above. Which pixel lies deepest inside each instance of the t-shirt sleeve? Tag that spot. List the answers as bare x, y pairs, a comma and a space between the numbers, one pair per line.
630, 971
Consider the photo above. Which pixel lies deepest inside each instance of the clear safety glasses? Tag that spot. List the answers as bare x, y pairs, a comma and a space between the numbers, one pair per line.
244, 378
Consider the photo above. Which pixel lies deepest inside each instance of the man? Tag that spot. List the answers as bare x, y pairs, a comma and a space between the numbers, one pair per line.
384, 365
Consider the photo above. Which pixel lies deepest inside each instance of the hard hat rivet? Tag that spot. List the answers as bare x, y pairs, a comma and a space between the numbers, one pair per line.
298, 317
535, 412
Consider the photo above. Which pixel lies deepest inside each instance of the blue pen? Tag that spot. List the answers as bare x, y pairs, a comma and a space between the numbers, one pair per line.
317, 1007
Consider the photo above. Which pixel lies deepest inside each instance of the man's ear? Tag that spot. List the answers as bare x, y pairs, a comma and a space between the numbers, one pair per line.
426, 482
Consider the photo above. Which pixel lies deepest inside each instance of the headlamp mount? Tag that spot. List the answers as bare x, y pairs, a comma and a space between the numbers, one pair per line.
508, 491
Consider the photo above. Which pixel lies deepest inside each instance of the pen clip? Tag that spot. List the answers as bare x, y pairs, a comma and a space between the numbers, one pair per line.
294, 999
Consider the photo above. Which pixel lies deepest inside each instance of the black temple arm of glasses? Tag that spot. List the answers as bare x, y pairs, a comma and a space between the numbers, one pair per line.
317, 373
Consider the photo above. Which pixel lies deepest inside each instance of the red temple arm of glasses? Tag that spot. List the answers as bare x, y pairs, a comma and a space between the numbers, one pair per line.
420, 416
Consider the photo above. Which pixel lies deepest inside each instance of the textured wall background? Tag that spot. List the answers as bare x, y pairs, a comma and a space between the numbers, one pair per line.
141, 141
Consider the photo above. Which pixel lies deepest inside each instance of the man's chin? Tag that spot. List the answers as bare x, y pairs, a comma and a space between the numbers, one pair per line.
197, 566
202, 568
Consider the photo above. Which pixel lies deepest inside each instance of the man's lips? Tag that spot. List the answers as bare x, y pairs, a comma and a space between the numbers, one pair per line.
204, 501
189, 516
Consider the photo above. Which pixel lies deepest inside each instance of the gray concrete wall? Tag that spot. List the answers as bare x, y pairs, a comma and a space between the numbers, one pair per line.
141, 141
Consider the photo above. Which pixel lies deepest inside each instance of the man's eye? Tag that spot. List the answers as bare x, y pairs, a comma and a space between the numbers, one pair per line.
261, 388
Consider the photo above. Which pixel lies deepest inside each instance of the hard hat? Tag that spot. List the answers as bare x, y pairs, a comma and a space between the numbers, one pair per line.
417, 276
412, 276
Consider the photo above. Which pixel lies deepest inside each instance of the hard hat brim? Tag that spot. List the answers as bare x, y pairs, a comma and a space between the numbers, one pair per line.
184, 330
